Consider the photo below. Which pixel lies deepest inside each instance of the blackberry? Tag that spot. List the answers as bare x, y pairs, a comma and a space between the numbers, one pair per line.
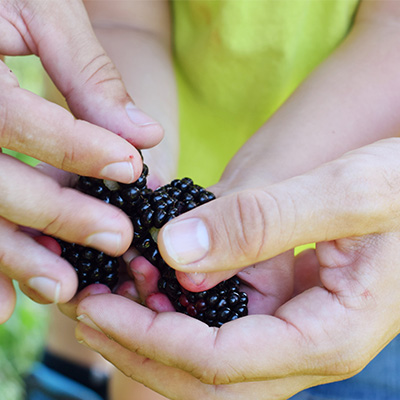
91, 265
224, 302
215, 306
149, 210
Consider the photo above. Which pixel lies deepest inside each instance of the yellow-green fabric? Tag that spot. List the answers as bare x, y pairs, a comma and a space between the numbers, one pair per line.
237, 61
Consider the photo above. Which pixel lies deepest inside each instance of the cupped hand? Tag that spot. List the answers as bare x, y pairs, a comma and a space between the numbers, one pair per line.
100, 143
268, 283
344, 312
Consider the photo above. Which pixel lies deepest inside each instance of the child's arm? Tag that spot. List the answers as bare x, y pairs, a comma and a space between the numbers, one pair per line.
327, 333
137, 37
350, 100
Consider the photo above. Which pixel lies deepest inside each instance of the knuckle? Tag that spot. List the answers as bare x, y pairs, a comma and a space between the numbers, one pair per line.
54, 220
100, 70
98, 76
212, 376
70, 157
53, 226
249, 208
371, 187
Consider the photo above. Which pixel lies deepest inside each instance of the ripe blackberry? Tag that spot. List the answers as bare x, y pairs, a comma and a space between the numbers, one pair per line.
91, 265
124, 196
224, 302
149, 210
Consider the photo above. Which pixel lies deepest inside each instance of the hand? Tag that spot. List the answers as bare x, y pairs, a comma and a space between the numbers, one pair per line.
326, 333
60, 34
265, 298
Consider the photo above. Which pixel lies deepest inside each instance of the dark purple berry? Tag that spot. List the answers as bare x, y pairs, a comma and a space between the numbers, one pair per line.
149, 210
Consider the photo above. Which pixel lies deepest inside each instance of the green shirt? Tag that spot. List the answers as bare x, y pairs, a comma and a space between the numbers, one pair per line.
237, 61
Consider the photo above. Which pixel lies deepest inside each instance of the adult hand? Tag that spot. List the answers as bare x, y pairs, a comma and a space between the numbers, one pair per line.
268, 283
326, 333
60, 34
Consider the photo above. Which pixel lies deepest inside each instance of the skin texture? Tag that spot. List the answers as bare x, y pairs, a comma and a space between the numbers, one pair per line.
99, 139
289, 342
342, 315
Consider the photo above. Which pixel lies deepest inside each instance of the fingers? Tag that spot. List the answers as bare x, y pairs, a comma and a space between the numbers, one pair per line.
166, 380
197, 281
42, 275
83, 72
352, 196
30, 198
69, 309
146, 276
46, 131
330, 333
180, 385
250, 348
7, 298
268, 284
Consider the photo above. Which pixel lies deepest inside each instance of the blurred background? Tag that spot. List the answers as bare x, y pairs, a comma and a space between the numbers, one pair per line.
22, 336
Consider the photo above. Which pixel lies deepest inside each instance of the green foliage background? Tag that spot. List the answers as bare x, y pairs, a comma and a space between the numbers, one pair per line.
22, 336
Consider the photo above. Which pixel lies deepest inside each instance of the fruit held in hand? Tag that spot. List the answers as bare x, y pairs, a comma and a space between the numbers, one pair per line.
149, 210
92, 266
216, 306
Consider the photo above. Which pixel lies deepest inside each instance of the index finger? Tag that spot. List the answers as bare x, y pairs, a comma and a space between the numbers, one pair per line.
48, 132
30, 198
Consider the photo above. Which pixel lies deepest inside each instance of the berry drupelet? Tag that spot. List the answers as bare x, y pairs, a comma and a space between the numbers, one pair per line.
91, 265
149, 210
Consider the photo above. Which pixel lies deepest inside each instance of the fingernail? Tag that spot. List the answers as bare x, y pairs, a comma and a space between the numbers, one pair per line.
87, 321
131, 294
129, 255
137, 116
105, 241
196, 278
46, 287
119, 171
82, 342
186, 241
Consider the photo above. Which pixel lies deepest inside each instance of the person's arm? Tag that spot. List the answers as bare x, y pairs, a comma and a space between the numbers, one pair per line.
350, 100
344, 314
328, 332
137, 37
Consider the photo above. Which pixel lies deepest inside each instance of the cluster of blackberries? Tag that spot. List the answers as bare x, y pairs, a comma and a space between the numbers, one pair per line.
92, 266
149, 210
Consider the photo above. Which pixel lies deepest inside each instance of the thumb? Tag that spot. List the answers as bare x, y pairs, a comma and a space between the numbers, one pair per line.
351, 196
82, 71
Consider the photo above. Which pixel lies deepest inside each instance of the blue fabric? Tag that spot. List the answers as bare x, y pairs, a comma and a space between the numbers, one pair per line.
46, 384
379, 380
